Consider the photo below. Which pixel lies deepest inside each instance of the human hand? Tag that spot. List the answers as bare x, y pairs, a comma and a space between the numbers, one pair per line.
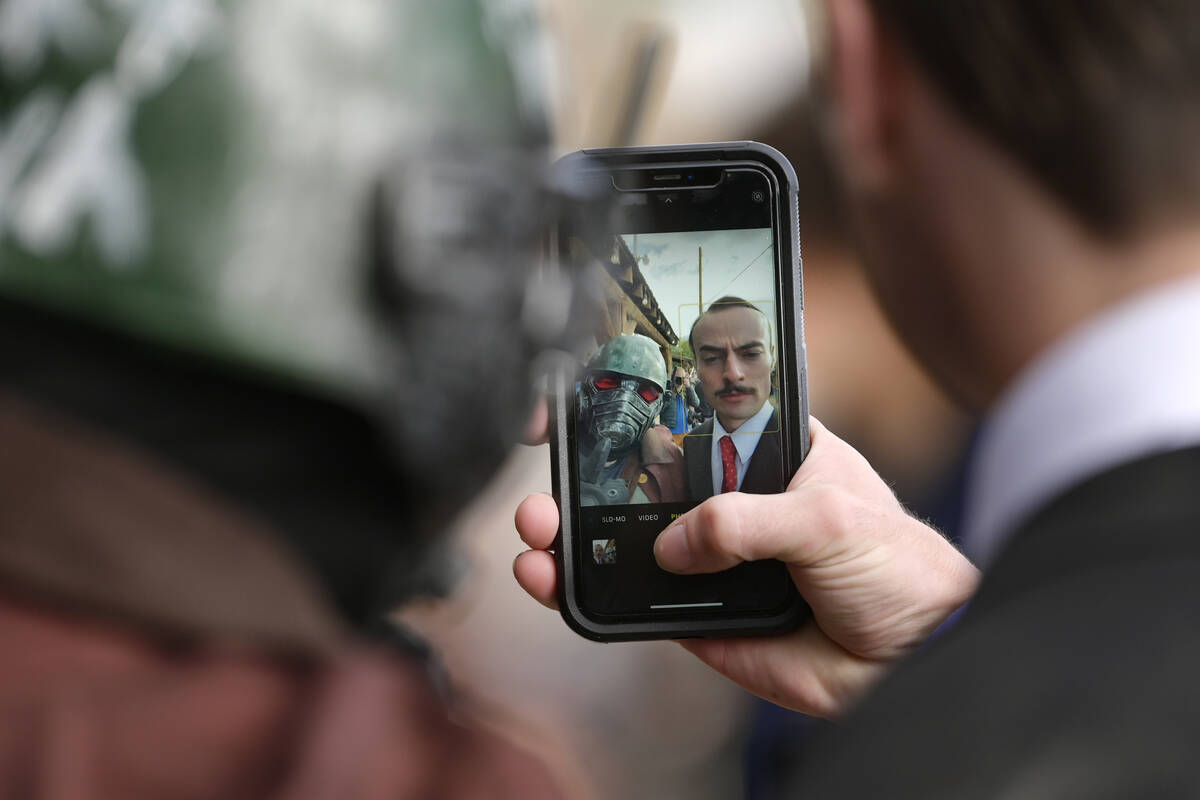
878, 580
537, 430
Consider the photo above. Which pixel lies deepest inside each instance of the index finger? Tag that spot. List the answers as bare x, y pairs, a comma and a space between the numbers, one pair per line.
537, 430
537, 521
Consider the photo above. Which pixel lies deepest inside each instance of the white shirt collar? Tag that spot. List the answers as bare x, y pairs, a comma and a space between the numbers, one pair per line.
745, 440
1123, 385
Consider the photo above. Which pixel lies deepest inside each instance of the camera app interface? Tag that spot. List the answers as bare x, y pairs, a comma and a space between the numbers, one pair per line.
679, 399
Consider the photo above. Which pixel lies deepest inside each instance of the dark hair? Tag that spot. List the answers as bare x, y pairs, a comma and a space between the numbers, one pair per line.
722, 304
1098, 98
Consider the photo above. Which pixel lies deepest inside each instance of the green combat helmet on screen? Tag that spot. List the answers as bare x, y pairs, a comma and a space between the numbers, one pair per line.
620, 396
339, 204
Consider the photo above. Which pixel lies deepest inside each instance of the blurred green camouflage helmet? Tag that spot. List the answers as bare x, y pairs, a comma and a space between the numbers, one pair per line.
345, 196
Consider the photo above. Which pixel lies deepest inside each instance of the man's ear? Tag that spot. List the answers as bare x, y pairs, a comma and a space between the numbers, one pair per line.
866, 83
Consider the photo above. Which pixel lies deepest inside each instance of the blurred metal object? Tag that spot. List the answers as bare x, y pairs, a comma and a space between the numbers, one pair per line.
651, 46
722, 70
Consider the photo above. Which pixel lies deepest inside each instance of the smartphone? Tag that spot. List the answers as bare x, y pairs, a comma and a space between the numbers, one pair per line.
694, 383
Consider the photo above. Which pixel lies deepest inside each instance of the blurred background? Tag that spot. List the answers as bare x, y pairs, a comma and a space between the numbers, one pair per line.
646, 720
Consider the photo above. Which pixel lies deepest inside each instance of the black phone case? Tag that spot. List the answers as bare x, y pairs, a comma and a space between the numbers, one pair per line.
793, 394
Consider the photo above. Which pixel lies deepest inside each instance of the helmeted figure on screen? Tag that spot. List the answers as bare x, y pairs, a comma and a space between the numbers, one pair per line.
624, 457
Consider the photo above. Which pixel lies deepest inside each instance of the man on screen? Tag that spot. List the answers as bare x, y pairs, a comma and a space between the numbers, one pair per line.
739, 448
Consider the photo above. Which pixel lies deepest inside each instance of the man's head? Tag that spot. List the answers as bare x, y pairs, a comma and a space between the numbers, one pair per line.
1097, 99
998, 155
734, 357
679, 377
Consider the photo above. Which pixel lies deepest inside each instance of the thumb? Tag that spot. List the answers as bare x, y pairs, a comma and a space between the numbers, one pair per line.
730, 528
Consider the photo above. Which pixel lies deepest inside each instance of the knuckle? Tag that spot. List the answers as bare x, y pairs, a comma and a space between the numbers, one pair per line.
836, 510
710, 517
719, 518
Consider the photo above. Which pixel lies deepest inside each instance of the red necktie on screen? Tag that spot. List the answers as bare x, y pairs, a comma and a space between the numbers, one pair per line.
728, 465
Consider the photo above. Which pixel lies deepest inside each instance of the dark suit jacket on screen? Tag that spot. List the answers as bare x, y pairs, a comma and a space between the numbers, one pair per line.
1074, 673
763, 473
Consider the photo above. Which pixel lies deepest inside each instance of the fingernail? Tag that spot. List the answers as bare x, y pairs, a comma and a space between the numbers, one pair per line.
671, 549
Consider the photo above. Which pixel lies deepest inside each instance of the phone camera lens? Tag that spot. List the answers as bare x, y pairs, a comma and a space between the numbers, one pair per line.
758, 195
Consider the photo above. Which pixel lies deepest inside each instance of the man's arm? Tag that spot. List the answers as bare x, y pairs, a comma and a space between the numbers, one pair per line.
878, 580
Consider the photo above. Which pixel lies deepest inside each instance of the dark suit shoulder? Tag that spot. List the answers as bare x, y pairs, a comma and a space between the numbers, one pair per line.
1066, 677
1082, 689
1140, 511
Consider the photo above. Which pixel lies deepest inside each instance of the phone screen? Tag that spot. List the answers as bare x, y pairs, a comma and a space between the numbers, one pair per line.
680, 397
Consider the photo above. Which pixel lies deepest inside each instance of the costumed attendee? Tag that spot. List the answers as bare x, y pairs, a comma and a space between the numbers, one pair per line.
623, 456
255, 258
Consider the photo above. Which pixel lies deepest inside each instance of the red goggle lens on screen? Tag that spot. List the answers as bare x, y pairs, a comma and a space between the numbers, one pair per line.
606, 383
648, 393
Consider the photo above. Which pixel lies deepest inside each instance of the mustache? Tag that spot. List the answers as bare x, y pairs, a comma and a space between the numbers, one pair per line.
734, 387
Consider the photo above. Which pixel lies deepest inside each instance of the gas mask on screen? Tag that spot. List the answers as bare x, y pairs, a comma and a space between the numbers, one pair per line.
622, 393
620, 408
